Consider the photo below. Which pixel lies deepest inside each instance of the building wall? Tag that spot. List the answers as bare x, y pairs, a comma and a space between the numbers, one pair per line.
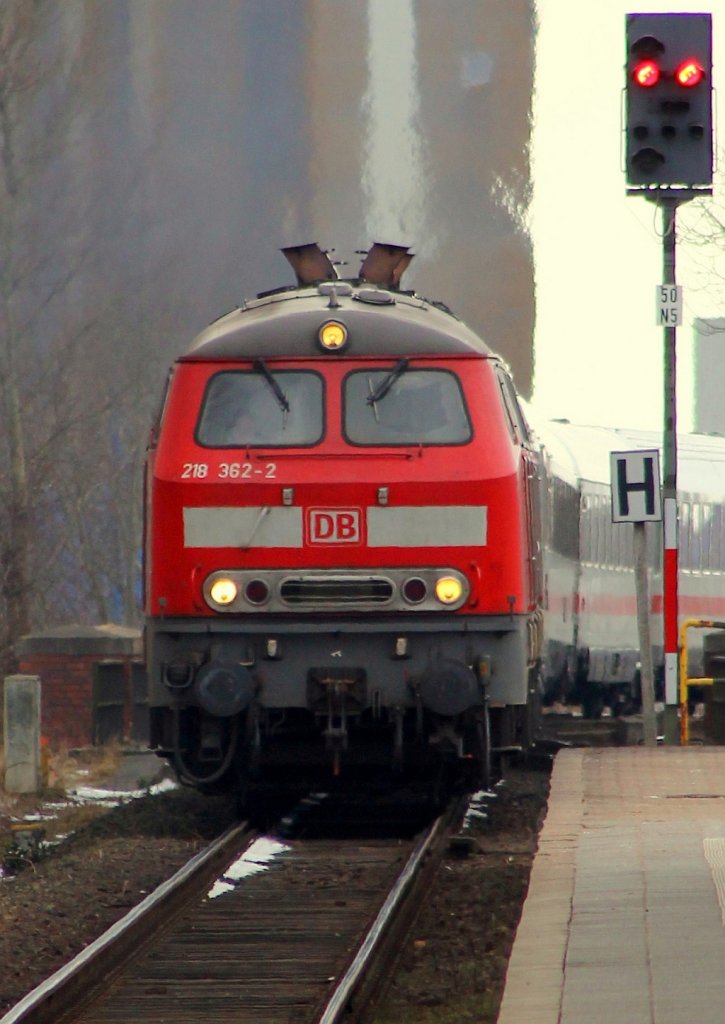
709, 374
221, 139
419, 117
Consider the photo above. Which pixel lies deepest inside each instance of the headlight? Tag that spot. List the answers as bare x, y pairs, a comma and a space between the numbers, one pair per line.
448, 590
332, 335
223, 591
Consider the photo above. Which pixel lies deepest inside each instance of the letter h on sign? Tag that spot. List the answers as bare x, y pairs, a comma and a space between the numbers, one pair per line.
636, 486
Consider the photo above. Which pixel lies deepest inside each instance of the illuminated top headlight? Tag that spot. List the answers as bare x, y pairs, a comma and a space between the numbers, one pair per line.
223, 591
448, 589
332, 335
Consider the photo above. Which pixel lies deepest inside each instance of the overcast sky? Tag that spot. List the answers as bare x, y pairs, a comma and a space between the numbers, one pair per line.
598, 251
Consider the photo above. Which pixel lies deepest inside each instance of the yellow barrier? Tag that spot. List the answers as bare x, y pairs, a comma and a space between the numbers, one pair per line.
687, 681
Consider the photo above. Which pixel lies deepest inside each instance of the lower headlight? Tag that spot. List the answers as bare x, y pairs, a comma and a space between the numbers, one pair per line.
223, 591
448, 589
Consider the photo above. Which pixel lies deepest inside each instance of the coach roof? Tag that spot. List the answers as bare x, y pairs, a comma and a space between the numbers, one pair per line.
380, 323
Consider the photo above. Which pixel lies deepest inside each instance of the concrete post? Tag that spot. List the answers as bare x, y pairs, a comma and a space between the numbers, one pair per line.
22, 734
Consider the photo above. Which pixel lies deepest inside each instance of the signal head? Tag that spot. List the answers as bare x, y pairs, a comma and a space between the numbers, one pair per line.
668, 93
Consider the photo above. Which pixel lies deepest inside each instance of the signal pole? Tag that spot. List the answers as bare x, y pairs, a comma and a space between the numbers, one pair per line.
669, 484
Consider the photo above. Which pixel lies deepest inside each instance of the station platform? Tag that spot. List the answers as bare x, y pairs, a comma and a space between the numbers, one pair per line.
624, 921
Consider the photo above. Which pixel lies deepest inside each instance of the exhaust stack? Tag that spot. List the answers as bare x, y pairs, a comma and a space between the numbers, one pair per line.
385, 264
310, 263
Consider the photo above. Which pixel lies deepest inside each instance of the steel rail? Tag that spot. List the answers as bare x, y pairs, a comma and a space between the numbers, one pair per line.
89, 969
339, 1002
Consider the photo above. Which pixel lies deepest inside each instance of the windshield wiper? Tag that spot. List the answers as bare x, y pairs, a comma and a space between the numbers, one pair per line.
387, 382
261, 367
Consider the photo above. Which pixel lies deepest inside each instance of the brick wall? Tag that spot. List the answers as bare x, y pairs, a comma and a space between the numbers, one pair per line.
66, 704
66, 663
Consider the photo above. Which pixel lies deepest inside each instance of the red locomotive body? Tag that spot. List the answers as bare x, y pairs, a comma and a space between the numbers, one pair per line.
340, 563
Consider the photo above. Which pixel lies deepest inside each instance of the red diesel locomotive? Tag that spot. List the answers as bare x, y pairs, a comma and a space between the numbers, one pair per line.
342, 566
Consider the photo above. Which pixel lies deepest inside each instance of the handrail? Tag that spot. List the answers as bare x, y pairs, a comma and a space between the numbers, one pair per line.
687, 681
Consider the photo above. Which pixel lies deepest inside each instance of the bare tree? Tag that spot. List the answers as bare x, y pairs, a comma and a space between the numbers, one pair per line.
18, 79
66, 450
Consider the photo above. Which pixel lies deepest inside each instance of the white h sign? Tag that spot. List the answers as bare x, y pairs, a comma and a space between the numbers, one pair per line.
636, 487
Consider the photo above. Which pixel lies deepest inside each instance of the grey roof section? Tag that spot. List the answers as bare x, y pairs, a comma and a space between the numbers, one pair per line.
380, 323
104, 641
701, 458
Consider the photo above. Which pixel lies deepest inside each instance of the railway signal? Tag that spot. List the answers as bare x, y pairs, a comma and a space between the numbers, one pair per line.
668, 160
669, 101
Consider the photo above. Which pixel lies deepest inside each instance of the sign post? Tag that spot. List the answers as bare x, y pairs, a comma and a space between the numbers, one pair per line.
636, 500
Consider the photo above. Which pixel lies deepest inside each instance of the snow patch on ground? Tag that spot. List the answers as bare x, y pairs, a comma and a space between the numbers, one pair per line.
111, 797
255, 859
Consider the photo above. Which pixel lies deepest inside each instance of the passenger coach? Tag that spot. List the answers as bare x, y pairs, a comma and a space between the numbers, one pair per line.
592, 652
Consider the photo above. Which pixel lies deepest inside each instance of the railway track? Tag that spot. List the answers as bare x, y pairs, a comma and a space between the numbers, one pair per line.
307, 940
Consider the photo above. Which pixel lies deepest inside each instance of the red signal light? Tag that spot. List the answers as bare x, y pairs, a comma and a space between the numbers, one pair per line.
690, 72
646, 73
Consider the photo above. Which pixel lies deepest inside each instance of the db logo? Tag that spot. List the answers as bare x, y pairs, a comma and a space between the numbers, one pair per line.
333, 525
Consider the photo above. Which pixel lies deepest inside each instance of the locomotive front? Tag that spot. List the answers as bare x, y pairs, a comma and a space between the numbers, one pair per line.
339, 565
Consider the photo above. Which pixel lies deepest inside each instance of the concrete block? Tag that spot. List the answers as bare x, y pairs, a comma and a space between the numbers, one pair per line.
22, 734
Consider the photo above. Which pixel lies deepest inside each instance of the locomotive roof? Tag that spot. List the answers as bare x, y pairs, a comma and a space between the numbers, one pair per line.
380, 322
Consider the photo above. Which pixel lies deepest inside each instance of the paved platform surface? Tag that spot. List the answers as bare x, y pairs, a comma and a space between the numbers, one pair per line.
624, 922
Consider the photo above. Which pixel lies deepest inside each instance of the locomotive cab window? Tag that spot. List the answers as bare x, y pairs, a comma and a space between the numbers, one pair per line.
398, 405
260, 408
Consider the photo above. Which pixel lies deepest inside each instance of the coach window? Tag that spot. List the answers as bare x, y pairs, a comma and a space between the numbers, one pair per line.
684, 535
716, 530
696, 537
707, 559
400, 406
565, 530
653, 533
607, 558
624, 552
587, 552
591, 533
596, 530
618, 532
259, 408
607, 533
